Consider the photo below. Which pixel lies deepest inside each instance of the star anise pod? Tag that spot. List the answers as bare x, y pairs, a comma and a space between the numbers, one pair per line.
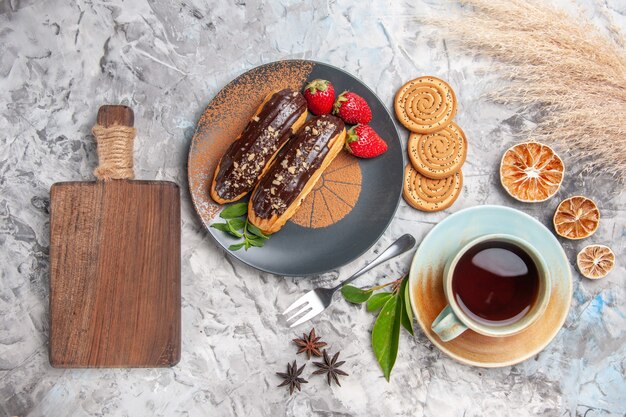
330, 367
310, 344
292, 377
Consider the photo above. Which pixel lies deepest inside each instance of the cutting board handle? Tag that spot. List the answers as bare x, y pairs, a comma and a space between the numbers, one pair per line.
115, 136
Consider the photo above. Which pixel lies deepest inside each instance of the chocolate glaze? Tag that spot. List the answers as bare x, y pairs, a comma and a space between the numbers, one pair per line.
302, 156
265, 133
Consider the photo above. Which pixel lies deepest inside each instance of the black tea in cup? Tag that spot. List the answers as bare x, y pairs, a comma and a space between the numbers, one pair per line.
495, 283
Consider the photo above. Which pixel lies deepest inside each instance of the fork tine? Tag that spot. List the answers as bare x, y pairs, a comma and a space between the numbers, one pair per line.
304, 309
298, 303
308, 316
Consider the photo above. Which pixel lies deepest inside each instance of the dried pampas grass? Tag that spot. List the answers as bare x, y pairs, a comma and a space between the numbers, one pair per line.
559, 63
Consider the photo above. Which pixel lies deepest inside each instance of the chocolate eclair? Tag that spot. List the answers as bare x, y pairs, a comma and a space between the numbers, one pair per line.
250, 155
294, 174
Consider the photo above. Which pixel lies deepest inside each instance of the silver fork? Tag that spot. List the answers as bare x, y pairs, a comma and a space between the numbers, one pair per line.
315, 301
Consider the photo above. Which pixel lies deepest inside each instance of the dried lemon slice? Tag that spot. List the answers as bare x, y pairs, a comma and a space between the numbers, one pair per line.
531, 172
595, 261
576, 217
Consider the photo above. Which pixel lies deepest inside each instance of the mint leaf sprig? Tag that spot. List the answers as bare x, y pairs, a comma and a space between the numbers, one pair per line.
395, 312
237, 225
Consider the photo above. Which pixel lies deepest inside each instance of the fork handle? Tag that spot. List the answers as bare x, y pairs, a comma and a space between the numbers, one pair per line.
403, 244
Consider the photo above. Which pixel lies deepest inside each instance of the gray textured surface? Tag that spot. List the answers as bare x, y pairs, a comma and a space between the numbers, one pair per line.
60, 60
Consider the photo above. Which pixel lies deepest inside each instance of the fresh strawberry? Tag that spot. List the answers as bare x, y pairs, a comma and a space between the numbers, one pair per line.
352, 108
319, 95
364, 142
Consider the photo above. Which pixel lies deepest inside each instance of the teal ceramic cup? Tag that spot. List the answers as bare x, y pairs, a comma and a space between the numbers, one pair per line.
452, 321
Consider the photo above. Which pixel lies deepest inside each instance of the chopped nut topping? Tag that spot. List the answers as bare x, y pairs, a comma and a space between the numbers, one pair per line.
279, 177
298, 152
236, 165
275, 182
306, 129
284, 163
292, 170
256, 118
251, 157
272, 191
315, 131
270, 129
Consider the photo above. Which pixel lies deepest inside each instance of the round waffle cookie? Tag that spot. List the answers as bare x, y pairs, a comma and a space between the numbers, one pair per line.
427, 194
440, 154
425, 104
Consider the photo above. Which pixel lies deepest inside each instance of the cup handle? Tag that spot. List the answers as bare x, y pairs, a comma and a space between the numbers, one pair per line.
447, 325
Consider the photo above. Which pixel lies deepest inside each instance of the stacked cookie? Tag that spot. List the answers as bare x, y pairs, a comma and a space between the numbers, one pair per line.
437, 146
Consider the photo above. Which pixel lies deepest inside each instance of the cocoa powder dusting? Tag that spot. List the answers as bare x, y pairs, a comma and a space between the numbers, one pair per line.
338, 189
224, 119
334, 196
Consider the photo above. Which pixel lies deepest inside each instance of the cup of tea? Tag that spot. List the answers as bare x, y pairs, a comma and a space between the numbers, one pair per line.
496, 285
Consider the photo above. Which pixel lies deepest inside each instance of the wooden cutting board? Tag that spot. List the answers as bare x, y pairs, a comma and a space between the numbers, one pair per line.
114, 261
